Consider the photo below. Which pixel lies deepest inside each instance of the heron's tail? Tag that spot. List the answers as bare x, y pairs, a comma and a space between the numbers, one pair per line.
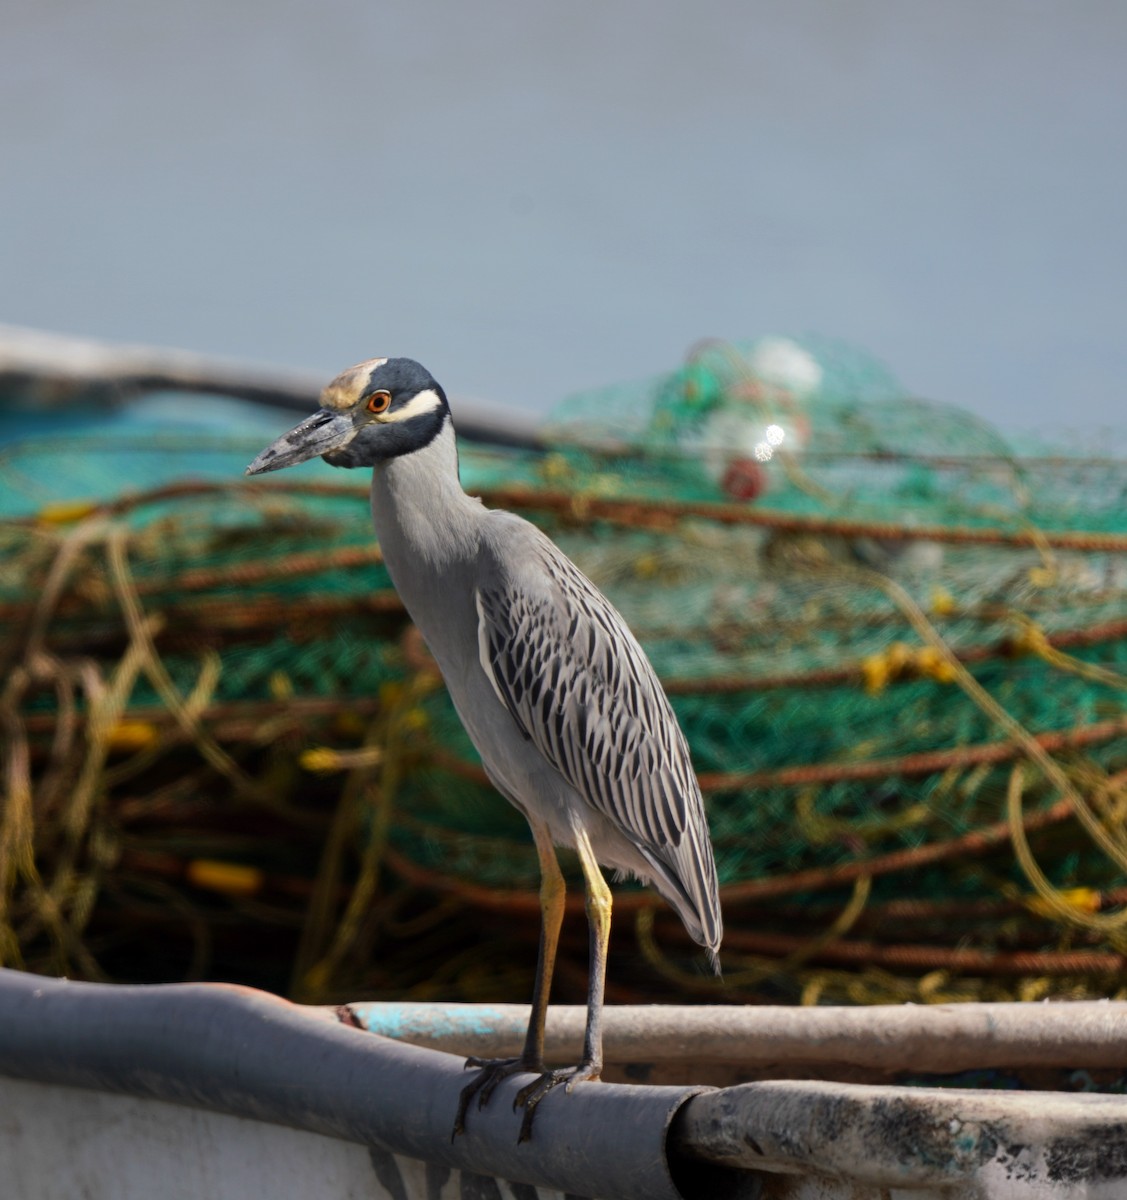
685, 876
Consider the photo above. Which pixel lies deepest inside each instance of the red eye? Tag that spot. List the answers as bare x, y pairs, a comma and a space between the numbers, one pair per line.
379, 402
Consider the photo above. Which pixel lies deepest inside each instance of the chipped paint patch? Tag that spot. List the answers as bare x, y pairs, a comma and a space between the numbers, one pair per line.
407, 1022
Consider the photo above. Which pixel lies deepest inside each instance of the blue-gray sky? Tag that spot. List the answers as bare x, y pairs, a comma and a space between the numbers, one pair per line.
537, 198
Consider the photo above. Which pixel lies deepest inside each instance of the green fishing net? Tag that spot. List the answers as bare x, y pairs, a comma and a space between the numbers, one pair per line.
828, 575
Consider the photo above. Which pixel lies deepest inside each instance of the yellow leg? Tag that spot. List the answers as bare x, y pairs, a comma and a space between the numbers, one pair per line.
552, 893
598, 920
552, 909
492, 1072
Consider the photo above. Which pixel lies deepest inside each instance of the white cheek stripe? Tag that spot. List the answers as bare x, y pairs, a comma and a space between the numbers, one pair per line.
426, 401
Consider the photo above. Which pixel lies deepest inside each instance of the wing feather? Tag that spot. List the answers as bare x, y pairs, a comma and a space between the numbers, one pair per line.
580, 688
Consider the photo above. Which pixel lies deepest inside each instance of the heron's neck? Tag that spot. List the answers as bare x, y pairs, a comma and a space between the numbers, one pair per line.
419, 509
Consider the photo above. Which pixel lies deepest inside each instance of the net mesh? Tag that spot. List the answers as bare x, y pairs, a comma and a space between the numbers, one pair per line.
896, 648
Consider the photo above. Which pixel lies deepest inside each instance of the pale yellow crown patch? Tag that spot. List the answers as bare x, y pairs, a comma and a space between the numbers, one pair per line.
345, 390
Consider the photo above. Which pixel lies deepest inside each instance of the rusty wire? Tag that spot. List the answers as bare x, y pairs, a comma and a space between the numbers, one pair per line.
65, 840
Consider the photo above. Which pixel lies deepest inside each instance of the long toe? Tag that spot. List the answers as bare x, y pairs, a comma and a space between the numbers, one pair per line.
531, 1094
490, 1073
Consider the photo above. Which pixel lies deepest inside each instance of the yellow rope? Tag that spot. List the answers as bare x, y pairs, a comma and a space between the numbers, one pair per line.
1113, 847
1057, 902
158, 675
401, 717
757, 968
1032, 639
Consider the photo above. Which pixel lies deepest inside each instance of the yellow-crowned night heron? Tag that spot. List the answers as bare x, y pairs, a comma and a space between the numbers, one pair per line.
570, 720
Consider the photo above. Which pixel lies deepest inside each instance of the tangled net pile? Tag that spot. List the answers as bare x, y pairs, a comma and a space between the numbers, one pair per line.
897, 651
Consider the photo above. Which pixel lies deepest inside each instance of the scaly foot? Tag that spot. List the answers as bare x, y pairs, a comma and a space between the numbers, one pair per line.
531, 1094
491, 1072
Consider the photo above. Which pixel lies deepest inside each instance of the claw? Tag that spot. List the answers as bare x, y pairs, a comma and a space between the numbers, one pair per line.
490, 1085
494, 1071
532, 1093
491, 1072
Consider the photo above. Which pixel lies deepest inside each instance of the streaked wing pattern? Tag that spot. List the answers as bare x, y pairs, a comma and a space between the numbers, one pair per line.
581, 689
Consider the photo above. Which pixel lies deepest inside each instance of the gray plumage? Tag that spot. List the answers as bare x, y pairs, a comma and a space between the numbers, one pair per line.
529, 646
580, 688
569, 718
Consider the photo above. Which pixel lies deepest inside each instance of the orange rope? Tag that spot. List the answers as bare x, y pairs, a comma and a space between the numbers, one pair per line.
931, 958
650, 512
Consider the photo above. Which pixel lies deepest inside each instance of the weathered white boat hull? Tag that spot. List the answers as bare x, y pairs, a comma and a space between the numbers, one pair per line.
220, 1092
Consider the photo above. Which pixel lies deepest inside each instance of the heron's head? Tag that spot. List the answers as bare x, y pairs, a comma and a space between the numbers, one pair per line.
371, 412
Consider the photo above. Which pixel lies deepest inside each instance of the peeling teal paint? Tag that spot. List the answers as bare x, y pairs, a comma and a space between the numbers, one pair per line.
407, 1021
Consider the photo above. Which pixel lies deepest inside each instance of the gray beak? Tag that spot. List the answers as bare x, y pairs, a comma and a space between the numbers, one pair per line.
324, 431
